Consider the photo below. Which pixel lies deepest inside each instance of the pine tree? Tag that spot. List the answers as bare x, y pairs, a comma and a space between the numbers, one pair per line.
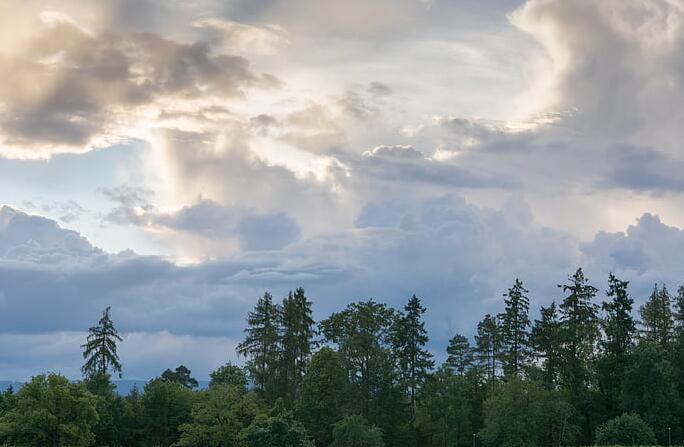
579, 330
619, 330
488, 347
460, 354
515, 322
261, 345
100, 349
410, 338
545, 338
298, 331
657, 317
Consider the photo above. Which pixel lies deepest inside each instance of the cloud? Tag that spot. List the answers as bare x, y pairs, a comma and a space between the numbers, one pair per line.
619, 63
208, 220
243, 38
67, 89
457, 256
646, 253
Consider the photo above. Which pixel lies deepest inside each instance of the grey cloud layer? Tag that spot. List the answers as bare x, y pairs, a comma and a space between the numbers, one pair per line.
457, 256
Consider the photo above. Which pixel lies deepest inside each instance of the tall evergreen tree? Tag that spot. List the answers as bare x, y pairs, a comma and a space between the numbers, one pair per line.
579, 331
460, 354
488, 347
100, 349
261, 345
515, 323
297, 344
657, 317
545, 339
410, 338
619, 330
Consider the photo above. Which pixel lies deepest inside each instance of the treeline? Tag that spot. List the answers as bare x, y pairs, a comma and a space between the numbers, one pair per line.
585, 372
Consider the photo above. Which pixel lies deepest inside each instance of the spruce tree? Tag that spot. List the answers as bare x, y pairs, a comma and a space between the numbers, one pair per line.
460, 354
100, 349
515, 324
488, 347
657, 317
297, 344
261, 345
410, 338
545, 339
579, 331
619, 329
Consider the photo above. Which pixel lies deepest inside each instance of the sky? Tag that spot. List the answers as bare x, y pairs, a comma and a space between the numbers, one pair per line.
176, 159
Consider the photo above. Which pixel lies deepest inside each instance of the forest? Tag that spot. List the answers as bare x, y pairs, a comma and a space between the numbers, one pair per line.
589, 370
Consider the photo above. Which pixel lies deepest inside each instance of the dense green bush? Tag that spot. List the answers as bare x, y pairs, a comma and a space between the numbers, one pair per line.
628, 430
354, 431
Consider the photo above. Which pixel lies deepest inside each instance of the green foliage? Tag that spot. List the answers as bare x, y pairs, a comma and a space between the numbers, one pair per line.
657, 317
525, 414
219, 414
278, 430
563, 381
298, 330
165, 407
579, 331
444, 411
488, 347
649, 390
50, 411
619, 328
354, 431
323, 395
180, 376
100, 350
228, 374
628, 430
515, 323
260, 345
409, 340
546, 341
460, 354
363, 333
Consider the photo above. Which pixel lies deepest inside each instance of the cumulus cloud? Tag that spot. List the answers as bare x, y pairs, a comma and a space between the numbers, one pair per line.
619, 63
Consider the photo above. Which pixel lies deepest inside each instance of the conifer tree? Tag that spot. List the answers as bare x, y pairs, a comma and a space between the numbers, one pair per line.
410, 338
460, 354
579, 331
515, 324
488, 347
657, 317
297, 344
545, 339
261, 345
100, 349
619, 329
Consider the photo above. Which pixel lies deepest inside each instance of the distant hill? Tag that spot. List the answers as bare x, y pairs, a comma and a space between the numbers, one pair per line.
123, 387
